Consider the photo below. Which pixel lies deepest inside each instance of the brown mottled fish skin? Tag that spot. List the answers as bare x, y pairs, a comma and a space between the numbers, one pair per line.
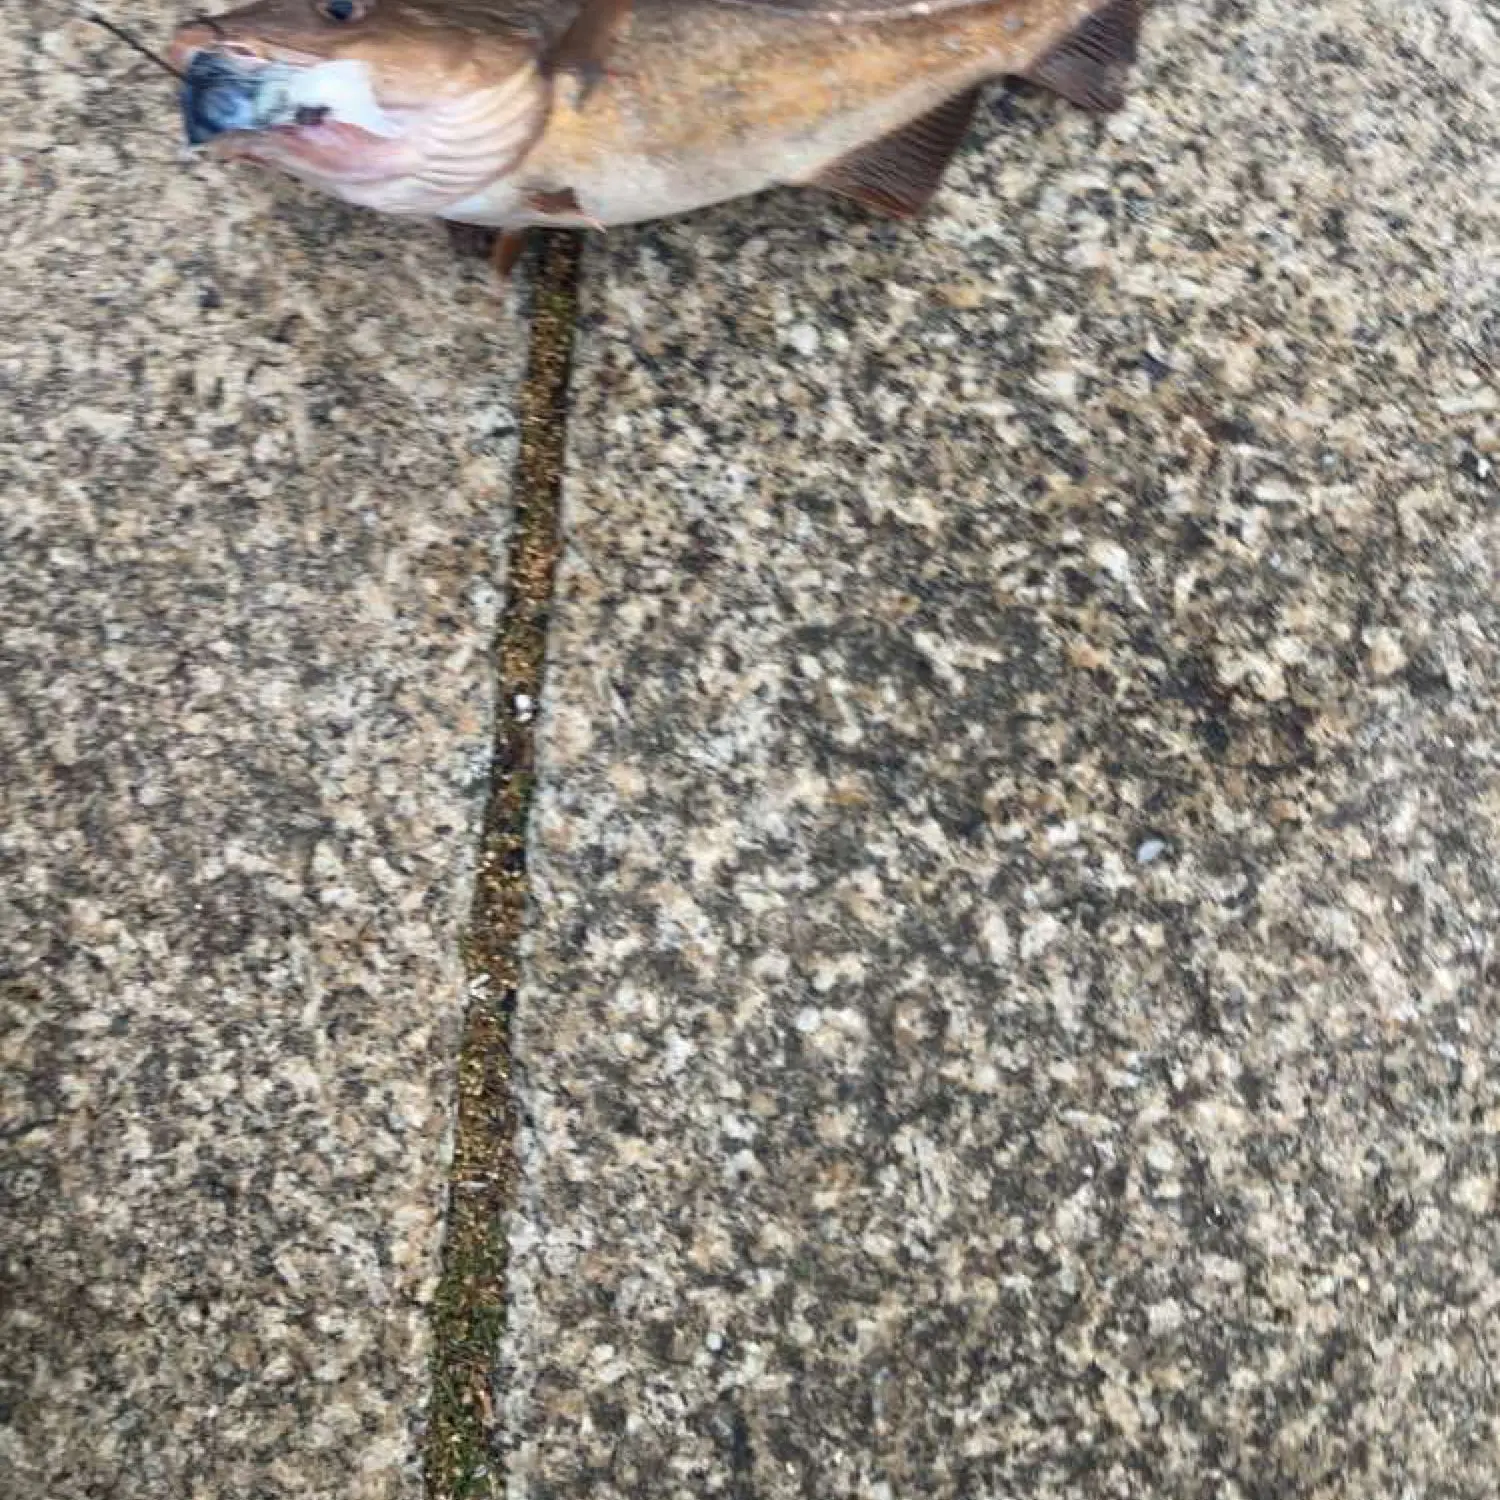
712, 93
695, 72
697, 101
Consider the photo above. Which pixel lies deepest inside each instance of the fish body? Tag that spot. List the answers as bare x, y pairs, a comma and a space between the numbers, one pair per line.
706, 102
461, 109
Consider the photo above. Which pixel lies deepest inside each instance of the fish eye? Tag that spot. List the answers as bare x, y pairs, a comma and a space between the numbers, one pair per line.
342, 10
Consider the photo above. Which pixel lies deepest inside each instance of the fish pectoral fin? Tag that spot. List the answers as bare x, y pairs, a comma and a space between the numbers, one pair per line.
584, 46
898, 173
1088, 67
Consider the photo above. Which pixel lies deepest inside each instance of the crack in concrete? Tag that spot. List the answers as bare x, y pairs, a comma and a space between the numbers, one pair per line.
469, 1308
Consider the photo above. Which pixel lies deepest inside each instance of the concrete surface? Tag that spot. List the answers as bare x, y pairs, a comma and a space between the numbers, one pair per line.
253, 452
1013, 987
1014, 993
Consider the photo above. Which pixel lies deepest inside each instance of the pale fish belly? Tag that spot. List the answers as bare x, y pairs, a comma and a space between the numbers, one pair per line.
625, 188
628, 183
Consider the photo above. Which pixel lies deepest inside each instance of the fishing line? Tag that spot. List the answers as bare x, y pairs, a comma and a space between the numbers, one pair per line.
131, 42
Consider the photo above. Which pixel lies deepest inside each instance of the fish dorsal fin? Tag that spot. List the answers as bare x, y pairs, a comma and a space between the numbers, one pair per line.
852, 11
1088, 67
899, 173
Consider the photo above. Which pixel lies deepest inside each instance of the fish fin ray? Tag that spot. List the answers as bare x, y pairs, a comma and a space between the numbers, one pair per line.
1088, 67
585, 44
899, 173
508, 247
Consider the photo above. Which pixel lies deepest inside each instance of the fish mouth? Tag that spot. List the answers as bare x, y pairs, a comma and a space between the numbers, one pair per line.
324, 122
315, 118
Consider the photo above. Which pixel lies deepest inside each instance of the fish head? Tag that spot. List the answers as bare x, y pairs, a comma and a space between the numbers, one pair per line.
407, 106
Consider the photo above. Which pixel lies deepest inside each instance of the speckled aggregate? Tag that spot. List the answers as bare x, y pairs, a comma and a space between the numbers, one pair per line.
1013, 988
1013, 997
253, 452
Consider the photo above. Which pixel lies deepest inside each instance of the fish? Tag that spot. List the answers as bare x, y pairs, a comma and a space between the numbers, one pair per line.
516, 114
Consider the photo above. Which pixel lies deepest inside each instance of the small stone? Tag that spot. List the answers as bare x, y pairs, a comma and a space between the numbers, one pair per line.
1476, 1193
1386, 655
1111, 558
994, 935
804, 338
1160, 1157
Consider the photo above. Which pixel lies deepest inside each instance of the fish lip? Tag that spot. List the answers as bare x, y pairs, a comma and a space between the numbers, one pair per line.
335, 150
332, 150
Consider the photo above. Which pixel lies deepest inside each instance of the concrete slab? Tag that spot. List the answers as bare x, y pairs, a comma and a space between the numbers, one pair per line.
1013, 1002
254, 452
